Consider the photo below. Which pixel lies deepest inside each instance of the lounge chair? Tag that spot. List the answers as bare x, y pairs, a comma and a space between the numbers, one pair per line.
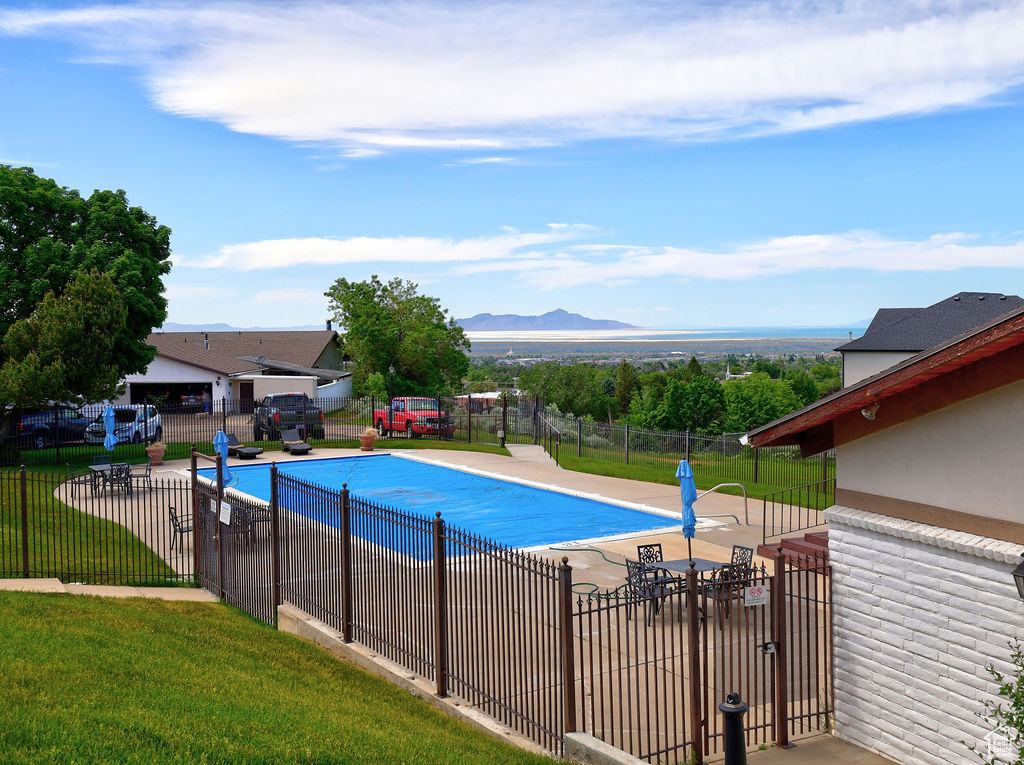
293, 444
238, 449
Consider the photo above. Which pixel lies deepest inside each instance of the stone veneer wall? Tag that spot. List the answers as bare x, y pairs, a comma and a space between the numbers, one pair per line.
919, 612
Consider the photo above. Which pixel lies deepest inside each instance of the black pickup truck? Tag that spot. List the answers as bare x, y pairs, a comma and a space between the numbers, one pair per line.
287, 411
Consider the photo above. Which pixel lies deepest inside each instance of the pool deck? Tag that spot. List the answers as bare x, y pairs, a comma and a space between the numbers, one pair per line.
602, 563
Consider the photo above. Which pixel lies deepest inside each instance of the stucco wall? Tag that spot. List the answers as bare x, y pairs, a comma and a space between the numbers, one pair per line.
918, 613
858, 365
965, 457
163, 370
263, 385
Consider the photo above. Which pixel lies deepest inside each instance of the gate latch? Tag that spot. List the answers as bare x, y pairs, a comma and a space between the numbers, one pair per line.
770, 647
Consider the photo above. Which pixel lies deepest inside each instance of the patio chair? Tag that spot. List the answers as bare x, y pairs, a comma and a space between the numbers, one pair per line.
742, 557
237, 449
650, 556
142, 474
641, 587
292, 443
80, 479
120, 477
726, 585
179, 527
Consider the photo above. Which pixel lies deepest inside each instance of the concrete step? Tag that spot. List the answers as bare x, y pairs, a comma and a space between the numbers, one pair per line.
530, 453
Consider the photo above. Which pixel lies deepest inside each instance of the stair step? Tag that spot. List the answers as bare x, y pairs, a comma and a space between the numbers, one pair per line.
819, 537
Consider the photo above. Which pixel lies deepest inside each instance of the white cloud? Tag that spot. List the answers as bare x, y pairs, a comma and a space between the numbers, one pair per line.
553, 258
284, 253
373, 77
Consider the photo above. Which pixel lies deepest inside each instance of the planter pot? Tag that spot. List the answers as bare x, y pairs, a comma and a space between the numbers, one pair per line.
366, 443
156, 453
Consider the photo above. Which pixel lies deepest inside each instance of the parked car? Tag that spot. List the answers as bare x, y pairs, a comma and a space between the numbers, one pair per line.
192, 402
285, 411
41, 430
133, 424
414, 417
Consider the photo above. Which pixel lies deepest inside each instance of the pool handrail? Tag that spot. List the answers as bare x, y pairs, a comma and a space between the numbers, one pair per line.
746, 511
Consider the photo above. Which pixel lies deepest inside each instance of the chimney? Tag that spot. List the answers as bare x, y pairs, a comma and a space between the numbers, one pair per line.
328, 325
206, 345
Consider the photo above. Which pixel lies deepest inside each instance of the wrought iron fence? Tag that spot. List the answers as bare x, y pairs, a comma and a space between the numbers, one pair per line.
80, 528
797, 508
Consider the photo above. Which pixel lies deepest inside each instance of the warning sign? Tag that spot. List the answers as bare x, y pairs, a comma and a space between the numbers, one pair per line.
756, 595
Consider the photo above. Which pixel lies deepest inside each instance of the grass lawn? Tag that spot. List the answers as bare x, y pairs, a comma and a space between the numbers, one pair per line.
706, 476
141, 681
69, 544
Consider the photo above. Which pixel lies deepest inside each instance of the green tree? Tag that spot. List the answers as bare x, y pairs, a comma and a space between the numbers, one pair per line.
573, 388
65, 349
705, 405
802, 384
626, 383
50, 238
384, 324
693, 369
757, 400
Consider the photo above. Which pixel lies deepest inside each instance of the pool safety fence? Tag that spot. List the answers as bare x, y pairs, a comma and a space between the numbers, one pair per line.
796, 509
82, 526
642, 669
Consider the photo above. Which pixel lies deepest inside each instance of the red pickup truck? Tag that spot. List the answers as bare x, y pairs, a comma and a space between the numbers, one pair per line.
414, 417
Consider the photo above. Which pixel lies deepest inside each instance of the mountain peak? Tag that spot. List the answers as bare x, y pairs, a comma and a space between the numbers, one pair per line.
552, 320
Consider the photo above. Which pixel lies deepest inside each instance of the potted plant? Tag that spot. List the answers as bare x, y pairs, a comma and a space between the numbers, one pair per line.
366, 439
155, 451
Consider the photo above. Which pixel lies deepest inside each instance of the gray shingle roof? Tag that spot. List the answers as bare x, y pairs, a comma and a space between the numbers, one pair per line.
227, 349
917, 329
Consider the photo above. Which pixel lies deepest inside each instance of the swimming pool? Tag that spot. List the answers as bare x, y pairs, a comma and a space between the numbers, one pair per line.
514, 514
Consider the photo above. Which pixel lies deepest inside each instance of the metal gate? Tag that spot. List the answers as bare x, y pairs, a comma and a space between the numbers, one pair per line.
651, 668
236, 546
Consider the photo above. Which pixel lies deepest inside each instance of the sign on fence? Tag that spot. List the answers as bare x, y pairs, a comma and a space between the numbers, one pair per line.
756, 595
225, 513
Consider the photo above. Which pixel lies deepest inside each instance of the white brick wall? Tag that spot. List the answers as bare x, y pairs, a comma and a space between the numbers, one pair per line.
918, 613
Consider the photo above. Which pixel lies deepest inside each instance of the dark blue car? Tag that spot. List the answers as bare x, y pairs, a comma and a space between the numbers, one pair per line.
40, 430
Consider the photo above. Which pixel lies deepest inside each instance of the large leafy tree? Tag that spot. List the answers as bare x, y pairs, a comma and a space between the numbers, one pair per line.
574, 388
51, 238
385, 324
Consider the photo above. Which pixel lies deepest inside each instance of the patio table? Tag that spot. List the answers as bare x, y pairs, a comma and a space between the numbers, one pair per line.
701, 565
103, 475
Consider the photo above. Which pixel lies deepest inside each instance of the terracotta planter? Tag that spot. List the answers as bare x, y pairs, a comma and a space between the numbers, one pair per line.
366, 442
156, 453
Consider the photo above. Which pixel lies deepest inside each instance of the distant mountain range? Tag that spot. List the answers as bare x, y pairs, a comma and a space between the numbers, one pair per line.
557, 319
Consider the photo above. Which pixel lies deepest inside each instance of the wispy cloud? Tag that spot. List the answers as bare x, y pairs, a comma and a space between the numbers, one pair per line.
557, 256
284, 253
367, 78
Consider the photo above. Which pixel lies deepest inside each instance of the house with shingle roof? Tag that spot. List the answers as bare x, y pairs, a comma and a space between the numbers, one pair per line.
927, 526
241, 366
896, 334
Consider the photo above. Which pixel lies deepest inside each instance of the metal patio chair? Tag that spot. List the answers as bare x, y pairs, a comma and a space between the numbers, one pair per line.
179, 527
651, 555
142, 474
641, 587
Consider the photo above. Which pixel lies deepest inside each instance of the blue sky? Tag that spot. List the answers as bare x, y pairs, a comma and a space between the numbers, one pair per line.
669, 165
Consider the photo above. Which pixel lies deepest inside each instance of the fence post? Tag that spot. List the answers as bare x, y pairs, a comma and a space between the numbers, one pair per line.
220, 532
579, 437
275, 537
568, 660
23, 480
504, 419
627, 443
693, 646
346, 566
305, 430
196, 536
536, 423
440, 610
224, 413
687, 444
56, 432
778, 596
824, 466
756, 453
469, 418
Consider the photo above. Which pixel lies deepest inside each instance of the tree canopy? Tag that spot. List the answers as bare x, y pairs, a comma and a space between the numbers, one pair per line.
93, 265
384, 324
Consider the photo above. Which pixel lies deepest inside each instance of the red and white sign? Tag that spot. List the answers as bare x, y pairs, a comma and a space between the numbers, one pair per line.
756, 595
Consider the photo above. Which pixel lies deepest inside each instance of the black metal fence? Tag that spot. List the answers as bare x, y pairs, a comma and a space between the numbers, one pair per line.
797, 508
78, 529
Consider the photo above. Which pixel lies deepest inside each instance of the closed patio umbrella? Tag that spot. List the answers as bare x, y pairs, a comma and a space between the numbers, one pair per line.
109, 440
688, 489
220, 445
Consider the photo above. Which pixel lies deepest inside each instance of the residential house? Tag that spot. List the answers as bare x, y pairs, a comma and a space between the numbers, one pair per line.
926, 530
240, 366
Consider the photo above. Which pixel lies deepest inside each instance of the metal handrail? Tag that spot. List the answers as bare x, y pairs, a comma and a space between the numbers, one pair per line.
746, 512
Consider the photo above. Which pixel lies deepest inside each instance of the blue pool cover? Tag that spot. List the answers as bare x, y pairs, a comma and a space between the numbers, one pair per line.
510, 513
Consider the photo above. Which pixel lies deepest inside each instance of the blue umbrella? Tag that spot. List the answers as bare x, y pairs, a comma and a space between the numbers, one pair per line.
220, 444
110, 440
688, 489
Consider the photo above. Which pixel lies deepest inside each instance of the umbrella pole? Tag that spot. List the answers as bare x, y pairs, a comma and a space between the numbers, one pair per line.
689, 548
